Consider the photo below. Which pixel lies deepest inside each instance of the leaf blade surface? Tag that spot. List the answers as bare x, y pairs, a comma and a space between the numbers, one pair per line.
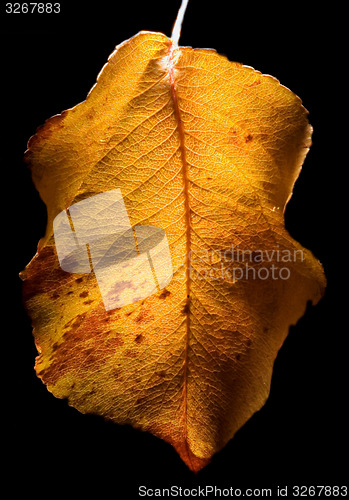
209, 151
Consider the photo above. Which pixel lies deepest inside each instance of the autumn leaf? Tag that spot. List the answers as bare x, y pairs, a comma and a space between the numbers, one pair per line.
208, 150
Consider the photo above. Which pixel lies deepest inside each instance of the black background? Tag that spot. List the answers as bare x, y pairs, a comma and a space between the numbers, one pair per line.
49, 62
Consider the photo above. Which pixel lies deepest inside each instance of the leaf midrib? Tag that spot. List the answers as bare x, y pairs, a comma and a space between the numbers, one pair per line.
186, 309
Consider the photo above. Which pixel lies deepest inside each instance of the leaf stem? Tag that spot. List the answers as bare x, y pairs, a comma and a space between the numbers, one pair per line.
176, 32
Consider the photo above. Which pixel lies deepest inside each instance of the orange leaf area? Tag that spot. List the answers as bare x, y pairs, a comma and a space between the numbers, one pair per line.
208, 150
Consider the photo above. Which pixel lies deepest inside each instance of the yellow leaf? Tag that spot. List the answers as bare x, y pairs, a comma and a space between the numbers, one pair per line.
208, 151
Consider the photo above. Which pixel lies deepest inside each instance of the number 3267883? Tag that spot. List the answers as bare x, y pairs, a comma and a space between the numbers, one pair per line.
33, 8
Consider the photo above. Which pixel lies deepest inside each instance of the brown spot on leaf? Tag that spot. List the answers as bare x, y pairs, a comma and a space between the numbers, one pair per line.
139, 338
233, 136
82, 349
165, 293
43, 271
43, 132
186, 308
91, 114
79, 280
114, 342
84, 294
143, 317
131, 353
